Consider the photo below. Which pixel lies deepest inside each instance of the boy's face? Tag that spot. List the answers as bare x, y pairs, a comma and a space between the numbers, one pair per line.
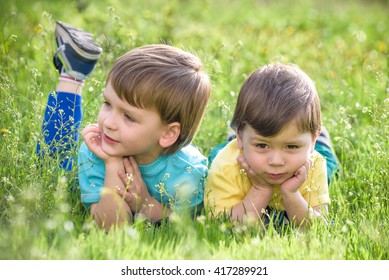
128, 130
275, 159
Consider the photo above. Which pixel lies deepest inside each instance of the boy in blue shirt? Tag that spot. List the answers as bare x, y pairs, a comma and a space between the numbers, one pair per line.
153, 103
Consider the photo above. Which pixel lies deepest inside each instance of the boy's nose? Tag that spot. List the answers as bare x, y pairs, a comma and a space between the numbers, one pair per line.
276, 158
110, 121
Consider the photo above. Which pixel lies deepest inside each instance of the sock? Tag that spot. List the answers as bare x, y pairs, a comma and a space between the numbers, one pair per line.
66, 77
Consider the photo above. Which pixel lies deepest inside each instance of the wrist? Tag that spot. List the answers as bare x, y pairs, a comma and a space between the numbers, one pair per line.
113, 161
140, 203
262, 188
261, 191
287, 194
113, 164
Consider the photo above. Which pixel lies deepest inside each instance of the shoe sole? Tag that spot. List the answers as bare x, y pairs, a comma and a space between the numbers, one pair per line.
80, 40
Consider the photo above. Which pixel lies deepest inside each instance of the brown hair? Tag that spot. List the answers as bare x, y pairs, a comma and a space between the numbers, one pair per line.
274, 95
167, 79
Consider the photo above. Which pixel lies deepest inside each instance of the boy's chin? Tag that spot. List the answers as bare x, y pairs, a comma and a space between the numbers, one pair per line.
111, 152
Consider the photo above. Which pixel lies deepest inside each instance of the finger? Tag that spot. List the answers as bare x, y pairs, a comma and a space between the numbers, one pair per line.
127, 179
298, 171
129, 172
123, 176
127, 165
302, 171
127, 196
90, 132
92, 140
91, 127
245, 166
309, 164
134, 167
120, 191
305, 168
251, 172
241, 158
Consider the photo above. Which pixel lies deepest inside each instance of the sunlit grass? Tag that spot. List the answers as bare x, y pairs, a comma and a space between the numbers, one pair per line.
342, 46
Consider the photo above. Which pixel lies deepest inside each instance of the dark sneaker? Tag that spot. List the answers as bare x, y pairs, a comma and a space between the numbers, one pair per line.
77, 52
325, 138
324, 147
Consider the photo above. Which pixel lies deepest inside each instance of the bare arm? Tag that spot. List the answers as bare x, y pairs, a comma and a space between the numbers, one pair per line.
111, 210
297, 208
250, 209
256, 199
136, 194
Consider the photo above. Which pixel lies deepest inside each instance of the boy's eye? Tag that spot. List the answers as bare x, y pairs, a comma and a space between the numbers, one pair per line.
129, 118
105, 103
262, 146
292, 147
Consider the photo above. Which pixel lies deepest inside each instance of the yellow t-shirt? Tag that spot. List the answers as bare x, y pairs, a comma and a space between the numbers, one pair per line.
227, 186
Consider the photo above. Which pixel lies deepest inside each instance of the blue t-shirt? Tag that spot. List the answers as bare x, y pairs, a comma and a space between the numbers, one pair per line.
176, 180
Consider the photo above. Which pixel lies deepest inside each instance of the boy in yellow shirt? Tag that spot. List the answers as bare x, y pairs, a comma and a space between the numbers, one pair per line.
272, 163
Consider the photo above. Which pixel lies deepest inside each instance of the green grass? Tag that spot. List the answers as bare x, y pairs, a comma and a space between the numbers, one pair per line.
342, 45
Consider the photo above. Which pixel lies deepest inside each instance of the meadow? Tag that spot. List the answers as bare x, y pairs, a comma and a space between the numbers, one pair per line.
342, 45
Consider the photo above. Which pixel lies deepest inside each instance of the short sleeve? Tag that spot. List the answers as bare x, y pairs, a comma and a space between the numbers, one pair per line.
315, 188
91, 175
189, 184
222, 191
179, 180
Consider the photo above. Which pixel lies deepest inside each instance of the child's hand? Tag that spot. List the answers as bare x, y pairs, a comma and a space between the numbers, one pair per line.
136, 192
300, 175
256, 180
92, 138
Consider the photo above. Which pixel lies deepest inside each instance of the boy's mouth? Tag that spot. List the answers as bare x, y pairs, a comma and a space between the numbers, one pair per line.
275, 176
108, 139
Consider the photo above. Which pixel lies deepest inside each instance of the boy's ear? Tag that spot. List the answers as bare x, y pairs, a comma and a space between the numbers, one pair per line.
170, 135
239, 141
314, 138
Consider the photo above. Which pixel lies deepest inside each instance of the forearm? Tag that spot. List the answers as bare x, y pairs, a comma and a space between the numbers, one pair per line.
111, 209
252, 205
299, 211
111, 179
150, 207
